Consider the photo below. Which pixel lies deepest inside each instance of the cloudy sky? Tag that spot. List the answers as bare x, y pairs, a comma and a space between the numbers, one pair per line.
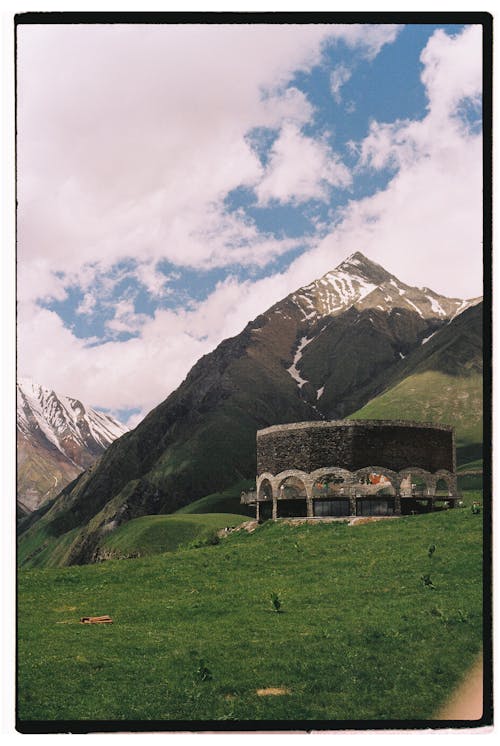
175, 181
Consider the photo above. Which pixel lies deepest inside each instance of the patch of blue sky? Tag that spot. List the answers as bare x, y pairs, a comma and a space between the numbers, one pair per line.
83, 326
282, 220
187, 285
276, 219
471, 114
122, 415
241, 197
385, 89
261, 140
370, 181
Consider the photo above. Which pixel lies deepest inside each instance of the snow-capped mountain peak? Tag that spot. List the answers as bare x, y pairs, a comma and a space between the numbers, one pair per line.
61, 417
362, 283
57, 437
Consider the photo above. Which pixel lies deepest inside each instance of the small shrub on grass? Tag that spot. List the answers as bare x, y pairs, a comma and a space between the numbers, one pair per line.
203, 673
205, 541
431, 550
276, 603
427, 582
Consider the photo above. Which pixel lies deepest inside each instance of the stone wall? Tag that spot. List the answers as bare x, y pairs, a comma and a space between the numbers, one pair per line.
354, 444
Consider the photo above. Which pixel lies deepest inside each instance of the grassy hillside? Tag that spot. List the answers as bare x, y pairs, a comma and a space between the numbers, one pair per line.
155, 534
195, 635
151, 534
433, 396
227, 501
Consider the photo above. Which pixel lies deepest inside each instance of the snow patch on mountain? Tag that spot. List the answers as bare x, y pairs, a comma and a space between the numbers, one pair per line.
293, 370
417, 309
436, 307
426, 339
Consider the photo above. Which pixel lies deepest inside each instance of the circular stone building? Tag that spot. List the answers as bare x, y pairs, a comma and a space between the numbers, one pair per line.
353, 468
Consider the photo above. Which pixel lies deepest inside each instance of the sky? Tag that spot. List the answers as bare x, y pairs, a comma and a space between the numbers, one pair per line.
173, 182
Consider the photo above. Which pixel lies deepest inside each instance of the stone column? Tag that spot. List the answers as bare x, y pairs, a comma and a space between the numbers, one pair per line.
275, 506
430, 483
309, 498
397, 505
257, 509
352, 502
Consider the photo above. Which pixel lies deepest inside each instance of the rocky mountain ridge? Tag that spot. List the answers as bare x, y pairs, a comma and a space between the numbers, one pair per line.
57, 438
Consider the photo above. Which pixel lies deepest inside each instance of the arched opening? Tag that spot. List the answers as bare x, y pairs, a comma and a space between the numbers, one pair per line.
292, 498
418, 486
265, 490
265, 500
442, 488
443, 492
415, 491
331, 495
374, 494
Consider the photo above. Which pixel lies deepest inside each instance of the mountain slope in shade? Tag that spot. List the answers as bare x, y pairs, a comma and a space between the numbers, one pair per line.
322, 352
57, 438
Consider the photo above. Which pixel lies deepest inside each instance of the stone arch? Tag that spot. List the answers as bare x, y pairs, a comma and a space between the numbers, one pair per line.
449, 481
303, 475
295, 484
265, 489
334, 470
291, 495
407, 475
330, 483
390, 475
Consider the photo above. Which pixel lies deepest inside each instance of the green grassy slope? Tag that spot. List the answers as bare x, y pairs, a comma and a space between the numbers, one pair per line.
440, 381
433, 396
155, 534
227, 501
359, 636
152, 534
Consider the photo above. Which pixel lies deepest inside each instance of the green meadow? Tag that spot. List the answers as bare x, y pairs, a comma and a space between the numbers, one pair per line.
316, 622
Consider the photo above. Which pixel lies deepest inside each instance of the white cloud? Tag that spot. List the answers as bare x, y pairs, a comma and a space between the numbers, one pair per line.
453, 69
124, 150
338, 77
115, 172
125, 318
130, 137
87, 305
300, 169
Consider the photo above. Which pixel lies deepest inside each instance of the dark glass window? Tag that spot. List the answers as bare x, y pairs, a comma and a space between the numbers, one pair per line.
331, 507
375, 507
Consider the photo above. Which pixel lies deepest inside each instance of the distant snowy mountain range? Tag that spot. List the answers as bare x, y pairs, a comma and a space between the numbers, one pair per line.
57, 438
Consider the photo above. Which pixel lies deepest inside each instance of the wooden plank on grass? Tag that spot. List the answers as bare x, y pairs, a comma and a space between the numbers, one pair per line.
96, 619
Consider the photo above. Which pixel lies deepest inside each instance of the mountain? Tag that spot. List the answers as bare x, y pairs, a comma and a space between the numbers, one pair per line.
57, 438
322, 352
440, 381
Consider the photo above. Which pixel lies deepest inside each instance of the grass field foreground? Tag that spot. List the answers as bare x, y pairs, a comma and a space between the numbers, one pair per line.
311, 622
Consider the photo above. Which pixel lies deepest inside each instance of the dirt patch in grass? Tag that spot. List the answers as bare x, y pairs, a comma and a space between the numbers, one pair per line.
272, 691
